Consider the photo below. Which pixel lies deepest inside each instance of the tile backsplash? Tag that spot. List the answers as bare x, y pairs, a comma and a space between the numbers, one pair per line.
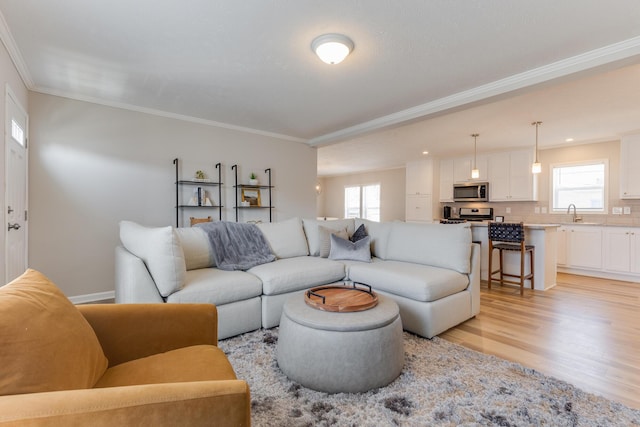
527, 212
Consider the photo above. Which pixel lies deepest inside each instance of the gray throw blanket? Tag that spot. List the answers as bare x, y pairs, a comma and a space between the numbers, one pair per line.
237, 246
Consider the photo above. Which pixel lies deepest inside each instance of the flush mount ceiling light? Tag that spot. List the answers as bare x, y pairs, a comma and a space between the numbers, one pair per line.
332, 48
475, 173
536, 167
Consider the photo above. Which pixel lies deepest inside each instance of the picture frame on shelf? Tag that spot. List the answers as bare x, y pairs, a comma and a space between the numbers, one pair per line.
252, 196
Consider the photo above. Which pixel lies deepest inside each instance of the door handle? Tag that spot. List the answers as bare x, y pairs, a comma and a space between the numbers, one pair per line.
15, 226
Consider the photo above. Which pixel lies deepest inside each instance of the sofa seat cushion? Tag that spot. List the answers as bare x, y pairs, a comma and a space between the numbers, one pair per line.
415, 281
214, 286
195, 363
293, 274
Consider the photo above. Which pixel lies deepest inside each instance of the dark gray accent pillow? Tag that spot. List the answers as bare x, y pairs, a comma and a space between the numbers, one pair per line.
359, 234
348, 250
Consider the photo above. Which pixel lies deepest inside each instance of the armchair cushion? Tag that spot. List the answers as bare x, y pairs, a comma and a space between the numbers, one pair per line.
195, 363
47, 345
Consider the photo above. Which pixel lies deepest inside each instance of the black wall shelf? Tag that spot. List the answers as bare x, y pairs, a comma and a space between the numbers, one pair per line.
268, 187
197, 183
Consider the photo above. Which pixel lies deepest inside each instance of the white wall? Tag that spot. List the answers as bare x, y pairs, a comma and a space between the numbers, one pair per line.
8, 76
92, 166
392, 193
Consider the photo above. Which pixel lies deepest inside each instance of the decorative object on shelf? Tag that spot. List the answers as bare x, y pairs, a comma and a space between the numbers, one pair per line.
332, 48
251, 196
536, 167
200, 198
253, 179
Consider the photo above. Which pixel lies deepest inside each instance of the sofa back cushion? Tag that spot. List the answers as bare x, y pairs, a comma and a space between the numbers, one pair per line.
160, 250
318, 238
47, 345
438, 245
286, 238
379, 235
196, 248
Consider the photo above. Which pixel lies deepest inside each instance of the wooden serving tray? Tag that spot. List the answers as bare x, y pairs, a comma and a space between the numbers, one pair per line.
344, 299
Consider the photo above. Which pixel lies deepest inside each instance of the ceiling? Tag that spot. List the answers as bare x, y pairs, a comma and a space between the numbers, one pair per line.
424, 75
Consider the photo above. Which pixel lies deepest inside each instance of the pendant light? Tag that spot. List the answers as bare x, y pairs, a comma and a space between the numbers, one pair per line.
475, 173
536, 167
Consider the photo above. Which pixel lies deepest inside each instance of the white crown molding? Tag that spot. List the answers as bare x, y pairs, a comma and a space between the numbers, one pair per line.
14, 53
166, 114
592, 59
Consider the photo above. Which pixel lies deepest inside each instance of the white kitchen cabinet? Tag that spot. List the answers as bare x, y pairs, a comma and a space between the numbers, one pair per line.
629, 171
510, 177
419, 208
446, 180
419, 177
584, 247
622, 249
457, 170
561, 251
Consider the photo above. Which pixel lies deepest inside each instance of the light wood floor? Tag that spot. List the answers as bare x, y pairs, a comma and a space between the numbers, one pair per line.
585, 331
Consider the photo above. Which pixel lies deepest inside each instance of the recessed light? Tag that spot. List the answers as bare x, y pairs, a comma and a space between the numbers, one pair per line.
569, 140
425, 152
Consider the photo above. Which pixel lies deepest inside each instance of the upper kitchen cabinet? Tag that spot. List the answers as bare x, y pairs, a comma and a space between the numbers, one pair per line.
419, 177
629, 172
458, 170
510, 177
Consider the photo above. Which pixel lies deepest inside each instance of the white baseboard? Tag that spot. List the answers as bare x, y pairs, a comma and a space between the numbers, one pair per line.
99, 296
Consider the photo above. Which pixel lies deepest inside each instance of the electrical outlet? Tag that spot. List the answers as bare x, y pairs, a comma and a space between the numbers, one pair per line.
536, 209
544, 209
627, 210
616, 210
508, 210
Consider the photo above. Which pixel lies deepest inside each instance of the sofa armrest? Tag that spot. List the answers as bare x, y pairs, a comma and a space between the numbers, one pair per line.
134, 283
131, 331
202, 403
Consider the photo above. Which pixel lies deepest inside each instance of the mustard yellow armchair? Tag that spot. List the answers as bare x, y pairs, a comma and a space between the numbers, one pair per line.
150, 364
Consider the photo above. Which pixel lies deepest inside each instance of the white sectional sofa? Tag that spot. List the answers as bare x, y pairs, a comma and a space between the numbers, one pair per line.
432, 271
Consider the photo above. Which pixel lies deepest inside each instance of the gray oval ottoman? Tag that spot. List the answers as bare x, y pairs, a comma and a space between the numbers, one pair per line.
340, 352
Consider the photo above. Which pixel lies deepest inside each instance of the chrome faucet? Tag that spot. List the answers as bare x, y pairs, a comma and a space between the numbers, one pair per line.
576, 218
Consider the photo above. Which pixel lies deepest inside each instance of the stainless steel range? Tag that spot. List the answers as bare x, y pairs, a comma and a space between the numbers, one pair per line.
476, 214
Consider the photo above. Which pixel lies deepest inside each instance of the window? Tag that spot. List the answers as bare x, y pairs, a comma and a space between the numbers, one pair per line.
17, 133
583, 184
362, 202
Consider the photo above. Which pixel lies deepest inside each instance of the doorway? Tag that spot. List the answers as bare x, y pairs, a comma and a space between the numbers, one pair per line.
16, 127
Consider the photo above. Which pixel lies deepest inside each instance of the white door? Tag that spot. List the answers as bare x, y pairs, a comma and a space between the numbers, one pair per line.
16, 188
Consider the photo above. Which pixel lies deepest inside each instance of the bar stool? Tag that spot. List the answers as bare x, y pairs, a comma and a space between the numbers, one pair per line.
509, 236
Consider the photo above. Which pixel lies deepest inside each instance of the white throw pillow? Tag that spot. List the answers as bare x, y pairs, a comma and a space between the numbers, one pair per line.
160, 250
286, 238
312, 231
196, 248
325, 240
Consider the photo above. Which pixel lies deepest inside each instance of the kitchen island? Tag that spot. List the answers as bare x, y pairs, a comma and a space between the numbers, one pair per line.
542, 236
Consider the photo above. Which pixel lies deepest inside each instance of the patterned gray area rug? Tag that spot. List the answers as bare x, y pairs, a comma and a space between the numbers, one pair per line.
442, 384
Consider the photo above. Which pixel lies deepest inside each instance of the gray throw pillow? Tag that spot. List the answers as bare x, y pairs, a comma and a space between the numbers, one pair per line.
359, 234
348, 250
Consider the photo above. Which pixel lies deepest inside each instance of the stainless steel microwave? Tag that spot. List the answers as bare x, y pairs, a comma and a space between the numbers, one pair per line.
471, 192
